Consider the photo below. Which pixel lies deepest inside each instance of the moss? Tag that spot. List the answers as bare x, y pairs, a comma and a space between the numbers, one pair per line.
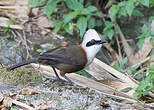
21, 76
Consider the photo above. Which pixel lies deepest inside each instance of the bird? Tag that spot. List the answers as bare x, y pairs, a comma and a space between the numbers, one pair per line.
70, 58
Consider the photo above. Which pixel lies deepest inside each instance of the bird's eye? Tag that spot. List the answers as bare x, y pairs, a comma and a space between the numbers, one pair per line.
90, 43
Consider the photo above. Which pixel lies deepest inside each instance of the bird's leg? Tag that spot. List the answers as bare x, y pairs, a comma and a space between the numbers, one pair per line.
57, 77
75, 85
68, 79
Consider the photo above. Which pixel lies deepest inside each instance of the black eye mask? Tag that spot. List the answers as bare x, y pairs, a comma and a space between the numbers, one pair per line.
95, 42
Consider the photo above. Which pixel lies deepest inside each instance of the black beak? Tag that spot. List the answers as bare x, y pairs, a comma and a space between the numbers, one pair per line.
102, 41
95, 42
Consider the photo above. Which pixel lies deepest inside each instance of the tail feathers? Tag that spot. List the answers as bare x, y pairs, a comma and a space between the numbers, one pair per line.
22, 64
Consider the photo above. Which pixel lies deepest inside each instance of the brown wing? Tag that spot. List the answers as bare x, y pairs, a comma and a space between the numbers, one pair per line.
72, 55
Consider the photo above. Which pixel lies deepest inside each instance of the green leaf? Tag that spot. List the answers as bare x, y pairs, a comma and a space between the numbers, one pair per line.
73, 4
42, 1
116, 65
140, 43
81, 1
130, 7
137, 13
145, 2
82, 25
109, 33
92, 22
152, 2
68, 17
139, 71
113, 11
40, 50
151, 18
34, 3
98, 23
122, 10
88, 10
144, 28
124, 61
126, 89
50, 7
58, 25
109, 24
69, 28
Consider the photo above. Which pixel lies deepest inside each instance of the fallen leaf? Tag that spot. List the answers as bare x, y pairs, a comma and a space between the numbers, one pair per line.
45, 31
23, 12
21, 2
4, 22
44, 22
35, 11
29, 91
7, 102
7, 2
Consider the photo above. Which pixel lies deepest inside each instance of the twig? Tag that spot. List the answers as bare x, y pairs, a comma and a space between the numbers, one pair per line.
127, 48
25, 42
8, 7
12, 26
119, 51
111, 50
109, 4
22, 105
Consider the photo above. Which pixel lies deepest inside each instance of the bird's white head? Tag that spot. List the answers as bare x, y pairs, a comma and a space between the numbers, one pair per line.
91, 43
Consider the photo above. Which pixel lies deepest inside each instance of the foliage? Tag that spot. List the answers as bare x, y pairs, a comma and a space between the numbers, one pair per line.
146, 85
40, 51
77, 16
126, 8
120, 66
145, 33
108, 30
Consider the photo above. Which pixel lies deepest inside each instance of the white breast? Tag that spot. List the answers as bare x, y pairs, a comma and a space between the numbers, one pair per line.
91, 51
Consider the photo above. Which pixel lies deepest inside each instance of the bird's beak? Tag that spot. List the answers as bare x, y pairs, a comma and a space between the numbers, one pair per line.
102, 41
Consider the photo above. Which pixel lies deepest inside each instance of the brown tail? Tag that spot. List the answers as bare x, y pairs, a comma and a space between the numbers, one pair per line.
22, 64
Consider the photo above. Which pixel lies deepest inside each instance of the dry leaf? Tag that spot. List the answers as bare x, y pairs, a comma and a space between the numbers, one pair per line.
35, 11
4, 23
45, 31
44, 105
118, 85
29, 91
22, 12
21, 2
7, 2
44, 22
144, 52
7, 102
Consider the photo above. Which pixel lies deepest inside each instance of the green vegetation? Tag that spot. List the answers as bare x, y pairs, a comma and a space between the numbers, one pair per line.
74, 16
146, 85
